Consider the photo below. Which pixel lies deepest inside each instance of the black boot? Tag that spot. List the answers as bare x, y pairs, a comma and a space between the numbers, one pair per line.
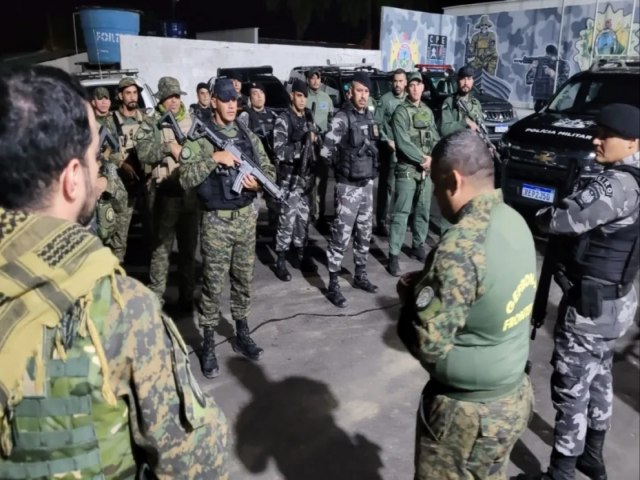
209, 362
334, 294
561, 467
591, 462
381, 230
281, 268
305, 262
244, 343
419, 253
362, 282
393, 267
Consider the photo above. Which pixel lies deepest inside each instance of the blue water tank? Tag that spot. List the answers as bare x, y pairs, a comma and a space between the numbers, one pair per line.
102, 27
174, 29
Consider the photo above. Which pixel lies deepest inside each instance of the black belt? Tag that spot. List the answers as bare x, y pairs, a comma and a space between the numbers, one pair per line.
608, 291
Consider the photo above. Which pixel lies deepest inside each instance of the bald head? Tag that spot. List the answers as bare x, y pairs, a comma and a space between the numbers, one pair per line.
465, 152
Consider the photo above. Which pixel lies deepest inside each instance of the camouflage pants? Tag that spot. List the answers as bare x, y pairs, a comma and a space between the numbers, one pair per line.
293, 221
386, 185
581, 383
228, 246
174, 216
319, 193
354, 214
118, 241
410, 196
469, 440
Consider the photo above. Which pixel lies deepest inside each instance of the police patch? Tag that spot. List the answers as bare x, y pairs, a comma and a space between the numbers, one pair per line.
109, 215
185, 153
604, 184
424, 298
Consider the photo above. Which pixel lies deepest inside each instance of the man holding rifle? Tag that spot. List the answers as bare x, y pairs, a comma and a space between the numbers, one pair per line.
453, 117
228, 226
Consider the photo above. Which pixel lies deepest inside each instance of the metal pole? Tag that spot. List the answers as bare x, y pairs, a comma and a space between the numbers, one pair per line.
631, 32
593, 40
555, 79
75, 35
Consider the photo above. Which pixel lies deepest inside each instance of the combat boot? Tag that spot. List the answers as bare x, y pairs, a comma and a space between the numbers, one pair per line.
209, 361
362, 282
419, 253
281, 268
244, 343
333, 293
561, 467
305, 262
393, 266
591, 462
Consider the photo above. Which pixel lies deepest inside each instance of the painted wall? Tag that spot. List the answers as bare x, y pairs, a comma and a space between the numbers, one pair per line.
193, 61
524, 54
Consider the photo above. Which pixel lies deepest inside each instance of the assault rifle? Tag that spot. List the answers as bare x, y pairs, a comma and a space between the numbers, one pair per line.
308, 157
107, 140
467, 46
247, 165
169, 121
543, 60
482, 131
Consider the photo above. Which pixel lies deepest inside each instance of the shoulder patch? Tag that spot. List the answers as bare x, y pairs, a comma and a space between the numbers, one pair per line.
110, 214
604, 184
424, 298
186, 152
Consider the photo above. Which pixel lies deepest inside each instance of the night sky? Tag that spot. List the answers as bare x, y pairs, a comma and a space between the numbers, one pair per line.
35, 25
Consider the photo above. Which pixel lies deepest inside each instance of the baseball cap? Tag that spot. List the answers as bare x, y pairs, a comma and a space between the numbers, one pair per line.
622, 119
466, 71
100, 93
414, 77
224, 90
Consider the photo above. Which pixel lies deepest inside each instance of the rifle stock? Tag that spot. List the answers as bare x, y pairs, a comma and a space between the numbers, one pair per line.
169, 121
107, 138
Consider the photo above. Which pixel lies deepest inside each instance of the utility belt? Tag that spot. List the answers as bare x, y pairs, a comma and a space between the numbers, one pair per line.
586, 294
233, 214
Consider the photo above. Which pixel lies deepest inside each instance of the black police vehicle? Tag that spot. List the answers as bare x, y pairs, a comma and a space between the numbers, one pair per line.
276, 94
550, 154
440, 81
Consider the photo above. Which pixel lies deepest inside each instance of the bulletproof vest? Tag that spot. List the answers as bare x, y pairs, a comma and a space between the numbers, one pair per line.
216, 192
421, 128
297, 129
261, 123
613, 257
127, 130
67, 430
203, 113
358, 156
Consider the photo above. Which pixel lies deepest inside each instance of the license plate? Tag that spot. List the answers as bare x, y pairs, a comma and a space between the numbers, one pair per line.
541, 194
501, 128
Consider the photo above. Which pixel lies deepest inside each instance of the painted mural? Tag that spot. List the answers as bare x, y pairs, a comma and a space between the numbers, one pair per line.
523, 56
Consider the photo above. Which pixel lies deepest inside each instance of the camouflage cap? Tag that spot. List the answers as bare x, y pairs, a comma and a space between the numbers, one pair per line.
100, 93
167, 87
127, 82
414, 77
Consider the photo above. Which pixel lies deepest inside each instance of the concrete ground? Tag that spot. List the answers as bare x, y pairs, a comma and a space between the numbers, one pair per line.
334, 396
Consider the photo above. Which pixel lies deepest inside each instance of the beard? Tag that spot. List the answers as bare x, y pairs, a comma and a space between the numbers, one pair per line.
132, 105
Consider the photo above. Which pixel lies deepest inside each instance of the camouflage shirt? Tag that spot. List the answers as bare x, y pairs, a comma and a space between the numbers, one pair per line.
337, 130
611, 201
453, 119
386, 106
196, 157
125, 134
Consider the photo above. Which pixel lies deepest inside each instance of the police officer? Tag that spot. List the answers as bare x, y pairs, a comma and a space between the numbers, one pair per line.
228, 225
350, 149
320, 103
465, 317
453, 117
236, 77
415, 135
386, 181
602, 224
259, 118
124, 124
101, 103
202, 108
175, 210
294, 142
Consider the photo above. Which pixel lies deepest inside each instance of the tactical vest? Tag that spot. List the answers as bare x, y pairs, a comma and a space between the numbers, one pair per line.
297, 128
420, 130
126, 129
68, 430
262, 123
166, 172
612, 257
216, 192
357, 153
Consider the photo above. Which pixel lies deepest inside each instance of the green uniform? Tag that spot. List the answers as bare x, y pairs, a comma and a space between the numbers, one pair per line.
386, 179
415, 134
175, 210
321, 113
323, 108
453, 119
466, 319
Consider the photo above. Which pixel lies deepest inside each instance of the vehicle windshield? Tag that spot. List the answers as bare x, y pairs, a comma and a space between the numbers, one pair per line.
590, 93
444, 86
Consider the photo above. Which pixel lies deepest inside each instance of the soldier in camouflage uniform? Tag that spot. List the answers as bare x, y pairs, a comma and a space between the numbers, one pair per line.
415, 134
228, 225
349, 148
175, 210
484, 53
101, 103
123, 124
453, 118
466, 316
387, 179
600, 262
294, 138
96, 361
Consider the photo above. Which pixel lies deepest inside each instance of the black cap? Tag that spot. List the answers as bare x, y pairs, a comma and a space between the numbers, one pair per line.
224, 90
363, 78
202, 85
258, 86
299, 86
551, 50
622, 119
466, 71
313, 71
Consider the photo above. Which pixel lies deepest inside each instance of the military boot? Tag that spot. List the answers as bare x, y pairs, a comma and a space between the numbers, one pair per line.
333, 293
362, 282
305, 262
393, 266
561, 467
281, 268
209, 361
244, 343
591, 462
419, 253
